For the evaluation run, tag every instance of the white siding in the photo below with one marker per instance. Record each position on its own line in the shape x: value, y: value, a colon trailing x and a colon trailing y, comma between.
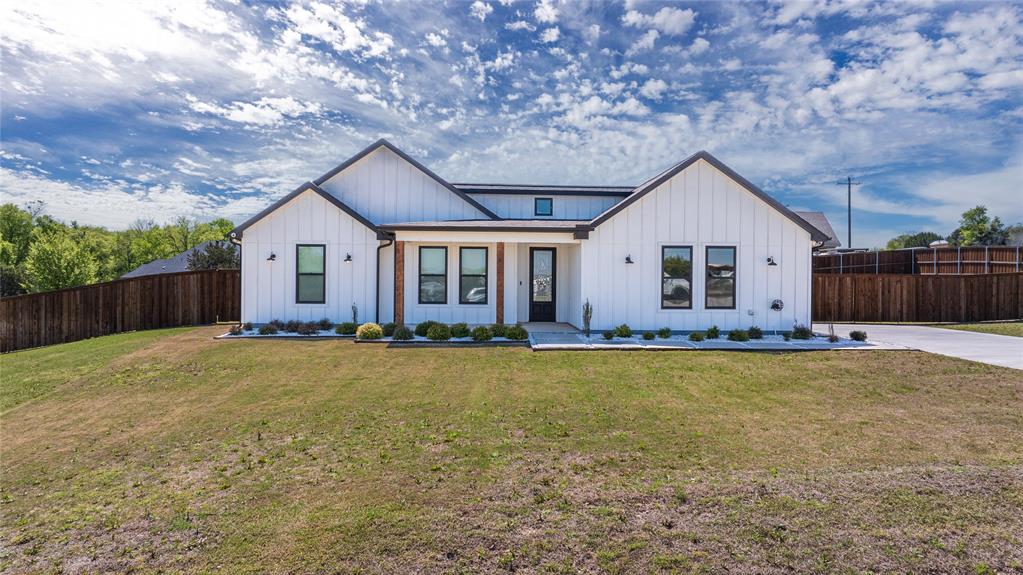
x: 520, y: 206
x: 386, y: 189
x: 452, y: 311
x: 268, y: 288
x: 698, y: 207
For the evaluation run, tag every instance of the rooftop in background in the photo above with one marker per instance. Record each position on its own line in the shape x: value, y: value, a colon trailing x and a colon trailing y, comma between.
x: 820, y: 221
x: 174, y: 264
x: 541, y: 189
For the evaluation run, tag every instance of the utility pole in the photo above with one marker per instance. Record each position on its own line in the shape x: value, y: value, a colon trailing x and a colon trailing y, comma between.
x: 849, y: 183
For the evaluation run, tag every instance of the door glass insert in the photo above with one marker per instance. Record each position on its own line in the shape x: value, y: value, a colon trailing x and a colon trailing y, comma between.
x: 543, y: 271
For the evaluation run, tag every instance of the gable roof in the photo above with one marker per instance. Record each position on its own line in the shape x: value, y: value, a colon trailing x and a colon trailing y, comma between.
x: 820, y: 221
x: 385, y: 144
x: 173, y: 264
x: 651, y: 184
x: 552, y: 226
x: 533, y: 189
x: 306, y: 187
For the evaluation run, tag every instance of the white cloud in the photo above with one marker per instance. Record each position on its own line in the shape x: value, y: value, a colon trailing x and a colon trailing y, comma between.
x: 653, y: 88
x: 481, y: 10
x: 699, y: 46
x: 436, y: 40
x: 264, y: 112
x: 645, y: 43
x: 520, y: 25
x: 629, y: 68
x: 592, y: 34
x: 668, y: 20
x: 550, y: 35
x: 545, y: 12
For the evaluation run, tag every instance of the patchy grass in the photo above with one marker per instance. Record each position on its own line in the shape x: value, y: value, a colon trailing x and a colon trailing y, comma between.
x: 184, y: 454
x: 1013, y: 328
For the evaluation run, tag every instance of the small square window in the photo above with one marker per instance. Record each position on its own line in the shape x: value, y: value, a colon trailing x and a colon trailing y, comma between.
x: 543, y: 207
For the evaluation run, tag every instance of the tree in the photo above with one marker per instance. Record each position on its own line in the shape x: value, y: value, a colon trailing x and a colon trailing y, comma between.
x: 56, y: 261
x: 216, y: 256
x: 15, y: 234
x: 917, y: 240
x: 976, y: 228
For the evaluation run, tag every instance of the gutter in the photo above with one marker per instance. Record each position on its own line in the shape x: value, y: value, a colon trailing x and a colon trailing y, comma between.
x: 390, y: 242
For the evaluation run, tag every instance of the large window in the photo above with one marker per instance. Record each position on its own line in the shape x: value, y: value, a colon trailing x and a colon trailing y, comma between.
x: 720, y: 278
x: 433, y: 275
x: 310, y: 276
x: 543, y: 207
x: 472, y: 275
x: 676, y: 277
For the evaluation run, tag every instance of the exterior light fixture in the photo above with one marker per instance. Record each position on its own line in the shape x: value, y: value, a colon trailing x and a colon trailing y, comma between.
x: 777, y: 305
x: 628, y: 259
x: 272, y: 258
x: 348, y: 258
x: 771, y: 262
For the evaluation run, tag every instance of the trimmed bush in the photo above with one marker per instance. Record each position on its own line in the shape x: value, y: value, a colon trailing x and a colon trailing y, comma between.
x: 308, y: 328
x: 481, y: 333
x: 278, y: 324
x: 235, y: 330
x: 858, y: 335
x: 664, y: 333
x: 402, y: 333
x: 268, y: 329
x: 369, y: 330
x: 786, y: 335
x: 346, y: 328
x: 801, y: 332
x: 424, y: 328
x: 439, y: 332
x: 388, y: 329
x: 738, y: 335
x: 517, y: 333
x: 755, y: 332
x: 609, y: 334
x: 325, y: 324
x: 623, y: 330
x: 499, y: 330
x: 649, y: 335
x: 459, y: 330
x: 292, y: 326
x: 696, y: 336
x: 247, y: 326
x: 713, y: 332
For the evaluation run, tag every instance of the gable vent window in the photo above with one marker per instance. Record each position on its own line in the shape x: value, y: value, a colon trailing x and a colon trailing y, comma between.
x: 720, y: 278
x: 310, y: 276
x: 543, y: 207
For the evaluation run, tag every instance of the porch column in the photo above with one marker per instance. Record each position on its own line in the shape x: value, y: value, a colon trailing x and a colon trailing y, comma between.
x: 500, y: 282
x: 399, y: 282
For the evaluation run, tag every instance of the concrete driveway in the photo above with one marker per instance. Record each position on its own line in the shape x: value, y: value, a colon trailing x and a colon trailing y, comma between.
x: 1002, y: 350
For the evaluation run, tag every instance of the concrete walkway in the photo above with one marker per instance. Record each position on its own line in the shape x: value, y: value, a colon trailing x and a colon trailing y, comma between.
x: 1002, y: 350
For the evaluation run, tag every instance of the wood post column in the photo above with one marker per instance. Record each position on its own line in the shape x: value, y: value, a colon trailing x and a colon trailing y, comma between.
x: 399, y: 283
x: 500, y: 283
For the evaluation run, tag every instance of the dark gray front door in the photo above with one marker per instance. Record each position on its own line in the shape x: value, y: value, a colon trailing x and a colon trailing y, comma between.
x: 542, y: 288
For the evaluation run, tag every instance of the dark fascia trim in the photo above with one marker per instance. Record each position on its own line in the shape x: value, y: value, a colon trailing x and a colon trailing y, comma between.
x: 443, y: 228
x: 308, y: 186
x: 815, y: 234
x: 384, y: 143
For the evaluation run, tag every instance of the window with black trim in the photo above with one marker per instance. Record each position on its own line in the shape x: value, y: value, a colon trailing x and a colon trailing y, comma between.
x: 310, y: 273
x: 720, y: 278
x: 543, y: 206
x: 433, y: 275
x: 472, y: 275
x: 676, y: 277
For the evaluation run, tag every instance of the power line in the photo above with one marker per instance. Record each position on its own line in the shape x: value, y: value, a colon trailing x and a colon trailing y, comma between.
x: 849, y: 183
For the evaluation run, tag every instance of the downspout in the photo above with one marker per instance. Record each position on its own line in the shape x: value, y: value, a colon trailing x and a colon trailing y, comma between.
x: 390, y: 241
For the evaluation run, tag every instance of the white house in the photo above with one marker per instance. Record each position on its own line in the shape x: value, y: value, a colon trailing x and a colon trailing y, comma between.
x: 696, y: 245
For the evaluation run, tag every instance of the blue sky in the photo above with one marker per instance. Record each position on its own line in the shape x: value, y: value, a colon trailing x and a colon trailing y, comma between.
x: 114, y: 111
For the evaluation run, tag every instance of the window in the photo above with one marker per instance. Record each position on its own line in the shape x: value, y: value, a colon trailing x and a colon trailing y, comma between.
x: 472, y: 275
x: 433, y: 275
x: 310, y: 279
x: 676, y: 277
x: 720, y: 278
x: 543, y: 207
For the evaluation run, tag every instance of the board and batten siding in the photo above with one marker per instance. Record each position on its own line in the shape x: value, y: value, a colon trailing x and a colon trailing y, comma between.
x: 452, y: 311
x: 520, y: 206
x: 698, y: 207
x: 268, y: 287
x: 386, y: 189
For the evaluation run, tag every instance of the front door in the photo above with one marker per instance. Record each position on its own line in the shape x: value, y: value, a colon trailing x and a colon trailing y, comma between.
x: 542, y: 284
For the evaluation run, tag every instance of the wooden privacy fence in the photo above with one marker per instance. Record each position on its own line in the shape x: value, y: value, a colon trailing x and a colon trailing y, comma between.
x: 925, y: 261
x: 147, y: 302
x: 917, y: 298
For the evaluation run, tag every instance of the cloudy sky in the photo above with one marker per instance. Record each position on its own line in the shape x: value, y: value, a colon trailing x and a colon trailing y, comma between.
x: 114, y: 112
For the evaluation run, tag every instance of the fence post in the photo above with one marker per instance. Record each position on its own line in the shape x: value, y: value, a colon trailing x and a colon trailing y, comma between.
x: 877, y: 265
x: 840, y: 267
x: 959, y: 260
x: 987, y: 259
x: 913, y: 263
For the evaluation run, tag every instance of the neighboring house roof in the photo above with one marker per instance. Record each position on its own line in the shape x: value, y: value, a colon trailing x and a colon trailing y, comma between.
x: 311, y: 187
x: 174, y: 264
x: 527, y: 189
x: 820, y: 221
x: 666, y: 175
x: 558, y: 226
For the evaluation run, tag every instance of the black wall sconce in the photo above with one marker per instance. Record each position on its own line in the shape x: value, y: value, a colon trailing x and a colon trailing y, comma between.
x: 348, y: 258
x: 628, y: 259
x: 272, y: 258
x: 771, y: 262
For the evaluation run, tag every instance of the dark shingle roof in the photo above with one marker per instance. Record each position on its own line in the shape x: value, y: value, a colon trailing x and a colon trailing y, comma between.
x: 178, y: 263
x: 532, y: 189
x: 563, y: 226
x: 820, y: 221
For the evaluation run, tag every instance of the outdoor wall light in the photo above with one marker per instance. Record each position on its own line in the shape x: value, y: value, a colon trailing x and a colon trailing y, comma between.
x: 272, y: 258
x: 628, y: 259
x: 771, y: 262
x: 348, y: 258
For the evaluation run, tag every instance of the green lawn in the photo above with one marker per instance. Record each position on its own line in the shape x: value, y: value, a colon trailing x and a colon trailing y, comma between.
x: 1013, y: 328
x: 171, y: 452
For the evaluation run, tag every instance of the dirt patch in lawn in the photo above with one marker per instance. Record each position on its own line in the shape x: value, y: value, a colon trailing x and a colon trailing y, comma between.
x: 172, y: 349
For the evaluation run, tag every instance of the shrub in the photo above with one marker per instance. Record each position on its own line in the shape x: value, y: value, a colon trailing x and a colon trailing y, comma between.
x: 649, y: 335
x: 388, y: 329
x: 609, y: 334
x: 346, y: 328
x: 664, y: 332
x: 439, y: 332
x: 858, y: 335
x: 369, y: 330
x: 517, y: 333
x: 696, y: 336
x: 235, y: 330
x: 325, y: 324
x: 787, y: 335
x: 481, y: 333
x: 247, y: 326
x: 278, y: 324
x: 623, y: 330
x: 499, y: 330
x: 402, y: 333
x: 355, y: 314
x: 587, y: 316
x: 755, y: 333
x: 308, y: 328
x: 713, y: 332
x: 833, y: 338
x: 424, y: 328
x: 738, y: 335
x: 459, y: 330
x: 268, y: 329
x: 801, y: 332
x: 292, y: 326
